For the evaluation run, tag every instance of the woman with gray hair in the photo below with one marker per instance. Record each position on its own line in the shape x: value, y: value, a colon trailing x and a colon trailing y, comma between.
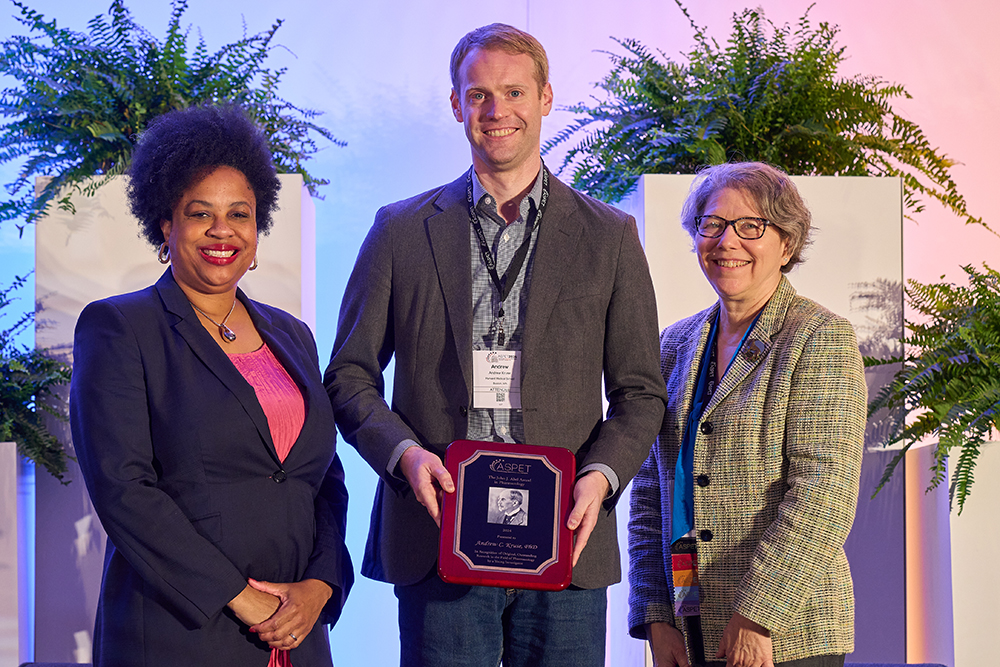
x: 740, y: 513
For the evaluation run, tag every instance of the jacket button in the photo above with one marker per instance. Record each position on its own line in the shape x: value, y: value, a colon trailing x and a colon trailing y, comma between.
x: 464, y: 410
x: 279, y: 476
x: 706, y: 536
x: 702, y: 480
x: 707, y: 428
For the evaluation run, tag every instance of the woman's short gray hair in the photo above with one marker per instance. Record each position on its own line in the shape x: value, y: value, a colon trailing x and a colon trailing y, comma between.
x: 772, y: 191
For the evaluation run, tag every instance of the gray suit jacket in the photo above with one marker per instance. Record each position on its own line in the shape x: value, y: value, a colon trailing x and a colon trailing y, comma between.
x: 591, y: 314
x: 777, y: 463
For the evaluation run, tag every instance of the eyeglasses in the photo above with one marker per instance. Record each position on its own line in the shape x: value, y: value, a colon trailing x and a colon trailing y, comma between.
x: 712, y: 226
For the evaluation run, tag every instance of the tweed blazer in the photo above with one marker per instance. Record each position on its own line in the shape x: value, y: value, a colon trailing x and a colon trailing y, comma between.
x: 178, y: 458
x: 777, y: 462
x: 591, y: 314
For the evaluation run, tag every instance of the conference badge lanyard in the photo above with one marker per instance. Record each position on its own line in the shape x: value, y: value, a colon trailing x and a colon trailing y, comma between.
x: 497, y: 373
x: 684, y: 551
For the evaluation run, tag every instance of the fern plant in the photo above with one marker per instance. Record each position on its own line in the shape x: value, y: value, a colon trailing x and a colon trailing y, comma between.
x: 949, y: 377
x: 28, y: 383
x: 81, y: 99
x: 771, y: 94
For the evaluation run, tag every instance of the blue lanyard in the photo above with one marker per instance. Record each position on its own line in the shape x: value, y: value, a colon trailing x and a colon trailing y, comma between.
x: 682, y: 507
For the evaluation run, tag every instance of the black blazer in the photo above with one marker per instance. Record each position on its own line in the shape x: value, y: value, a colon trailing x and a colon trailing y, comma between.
x: 179, y: 461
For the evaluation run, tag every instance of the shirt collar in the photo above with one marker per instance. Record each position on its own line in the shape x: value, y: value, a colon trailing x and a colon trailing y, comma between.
x: 531, y: 199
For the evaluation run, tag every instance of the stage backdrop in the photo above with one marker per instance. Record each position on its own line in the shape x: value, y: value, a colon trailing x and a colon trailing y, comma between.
x: 88, y: 256
x: 378, y: 71
x: 854, y: 268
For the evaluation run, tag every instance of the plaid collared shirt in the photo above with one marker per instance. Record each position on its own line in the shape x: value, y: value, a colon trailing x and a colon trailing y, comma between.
x: 496, y: 423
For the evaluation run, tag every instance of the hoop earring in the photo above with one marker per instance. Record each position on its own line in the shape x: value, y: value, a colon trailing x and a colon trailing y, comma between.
x: 253, y: 267
x: 164, y: 253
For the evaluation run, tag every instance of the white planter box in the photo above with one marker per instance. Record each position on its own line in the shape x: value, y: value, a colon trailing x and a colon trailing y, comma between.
x: 975, y: 552
x: 13, y: 612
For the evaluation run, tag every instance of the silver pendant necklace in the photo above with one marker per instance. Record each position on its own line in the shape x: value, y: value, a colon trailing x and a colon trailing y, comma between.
x: 227, y: 334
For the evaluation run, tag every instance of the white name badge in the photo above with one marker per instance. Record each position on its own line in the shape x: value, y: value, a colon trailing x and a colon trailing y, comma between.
x: 497, y: 379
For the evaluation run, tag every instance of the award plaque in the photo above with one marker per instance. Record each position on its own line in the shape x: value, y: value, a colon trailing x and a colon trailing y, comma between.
x: 505, y: 525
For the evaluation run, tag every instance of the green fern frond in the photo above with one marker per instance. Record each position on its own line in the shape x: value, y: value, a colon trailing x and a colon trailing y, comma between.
x: 80, y: 100
x: 949, y: 377
x: 28, y: 391
x: 771, y: 93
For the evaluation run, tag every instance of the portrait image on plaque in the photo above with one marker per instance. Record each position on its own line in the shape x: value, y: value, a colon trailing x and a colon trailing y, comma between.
x: 489, y: 534
x: 508, y: 507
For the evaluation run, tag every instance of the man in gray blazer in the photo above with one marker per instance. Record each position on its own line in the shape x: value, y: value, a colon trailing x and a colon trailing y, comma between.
x: 504, y: 260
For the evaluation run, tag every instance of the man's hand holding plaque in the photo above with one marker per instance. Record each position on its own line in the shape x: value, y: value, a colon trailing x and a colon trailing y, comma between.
x: 588, y: 494
x: 428, y: 478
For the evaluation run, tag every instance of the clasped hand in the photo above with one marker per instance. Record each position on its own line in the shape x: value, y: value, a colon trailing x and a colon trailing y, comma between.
x: 281, y: 614
x: 744, y: 644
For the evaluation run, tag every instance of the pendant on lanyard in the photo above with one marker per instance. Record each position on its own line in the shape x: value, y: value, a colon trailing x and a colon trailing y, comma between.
x: 505, y: 285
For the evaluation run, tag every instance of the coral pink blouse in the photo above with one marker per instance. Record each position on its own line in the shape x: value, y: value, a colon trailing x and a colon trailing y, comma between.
x: 277, y: 393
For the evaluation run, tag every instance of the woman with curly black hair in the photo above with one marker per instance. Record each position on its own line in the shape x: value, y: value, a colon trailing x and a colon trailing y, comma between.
x: 202, y: 427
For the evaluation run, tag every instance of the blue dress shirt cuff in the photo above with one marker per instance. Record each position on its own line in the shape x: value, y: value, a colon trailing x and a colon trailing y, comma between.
x: 397, y: 454
x: 604, y: 470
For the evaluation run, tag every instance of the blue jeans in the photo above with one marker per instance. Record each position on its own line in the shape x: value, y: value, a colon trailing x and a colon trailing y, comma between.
x: 445, y: 625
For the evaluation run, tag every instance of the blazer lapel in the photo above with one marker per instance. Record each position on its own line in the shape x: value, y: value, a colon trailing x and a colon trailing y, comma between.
x: 757, y: 345
x: 555, y: 250
x: 448, y: 231
x: 689, y: 359
x: 284, y: 349
x: 190, y: 329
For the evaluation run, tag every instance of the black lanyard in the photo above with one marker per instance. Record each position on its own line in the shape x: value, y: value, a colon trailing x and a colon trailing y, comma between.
x: 506, y: 284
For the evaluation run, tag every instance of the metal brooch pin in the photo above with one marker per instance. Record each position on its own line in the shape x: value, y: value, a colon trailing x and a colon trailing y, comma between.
x: 754, y: 350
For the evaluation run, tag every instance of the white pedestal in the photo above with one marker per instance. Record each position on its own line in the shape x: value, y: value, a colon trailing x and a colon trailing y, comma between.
x: 11, y: 607
x: 975, y: 552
